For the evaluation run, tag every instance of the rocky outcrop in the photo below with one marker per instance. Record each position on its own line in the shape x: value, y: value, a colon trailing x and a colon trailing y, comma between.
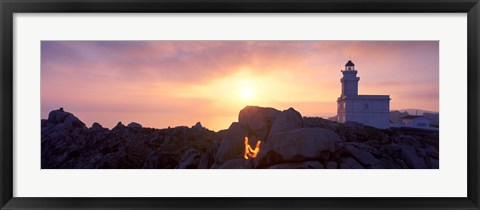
x: 68, y: 143
x: 288, y: 141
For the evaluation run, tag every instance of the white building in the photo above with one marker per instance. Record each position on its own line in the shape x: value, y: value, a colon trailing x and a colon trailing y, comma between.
x: 416, y: 121
x: 372, y: 110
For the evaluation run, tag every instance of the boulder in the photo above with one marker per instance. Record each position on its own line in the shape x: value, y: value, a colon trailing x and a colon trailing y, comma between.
x: 257, y: 120
x: 99, y: 129
x: 363, y: 156
x: 134, y: 125
x: 411, y: 158
x: 197, y: 125
x: 58, y: 116
x: 190, y: 159
x: 119, y: 126
x: 295, y: 146
x: 299, y: 165
x: 286, y: 120
x: 97, y: 126
x: 71, y: 122
x: 232, y: 144
x: 159, y: 160
x: 208, y: 158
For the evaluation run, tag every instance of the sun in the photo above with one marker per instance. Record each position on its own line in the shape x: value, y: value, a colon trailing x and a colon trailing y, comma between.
x: 246, y: 93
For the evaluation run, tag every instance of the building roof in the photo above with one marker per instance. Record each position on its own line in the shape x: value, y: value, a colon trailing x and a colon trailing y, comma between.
x: 413, y: 117
x: 349, y: 63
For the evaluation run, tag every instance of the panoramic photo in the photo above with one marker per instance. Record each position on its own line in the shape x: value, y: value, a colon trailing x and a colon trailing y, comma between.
x: 239, y: 104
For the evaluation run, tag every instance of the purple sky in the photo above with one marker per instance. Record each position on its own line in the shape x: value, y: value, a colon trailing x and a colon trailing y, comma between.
x: 171, y: 83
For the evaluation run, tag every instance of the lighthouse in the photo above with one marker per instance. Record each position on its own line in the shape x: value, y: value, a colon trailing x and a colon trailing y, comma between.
x: 371, y: 110
x: 349, y: 80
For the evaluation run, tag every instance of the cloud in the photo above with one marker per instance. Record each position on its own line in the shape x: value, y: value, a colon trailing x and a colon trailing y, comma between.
x: 133, y: 78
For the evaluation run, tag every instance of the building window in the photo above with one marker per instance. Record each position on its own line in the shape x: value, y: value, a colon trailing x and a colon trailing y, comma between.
x: 366, y: 106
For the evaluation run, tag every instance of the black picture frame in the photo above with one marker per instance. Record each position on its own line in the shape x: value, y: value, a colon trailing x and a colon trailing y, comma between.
x: 10, y: 7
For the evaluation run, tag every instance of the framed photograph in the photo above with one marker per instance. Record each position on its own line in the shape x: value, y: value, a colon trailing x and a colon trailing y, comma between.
x: 239, y: 105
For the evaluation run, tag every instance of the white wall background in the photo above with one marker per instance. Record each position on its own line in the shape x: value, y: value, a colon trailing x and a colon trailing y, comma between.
x: 448, y: 181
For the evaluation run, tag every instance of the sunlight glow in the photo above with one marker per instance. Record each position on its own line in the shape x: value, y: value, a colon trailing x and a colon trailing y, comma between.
x: 246, y: 93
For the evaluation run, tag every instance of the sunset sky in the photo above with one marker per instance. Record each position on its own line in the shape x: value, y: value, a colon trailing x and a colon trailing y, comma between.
x: 171, y: 83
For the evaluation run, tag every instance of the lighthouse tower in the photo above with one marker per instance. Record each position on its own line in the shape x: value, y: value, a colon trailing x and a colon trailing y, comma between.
x: 372, y: 110
x: 349, y: 80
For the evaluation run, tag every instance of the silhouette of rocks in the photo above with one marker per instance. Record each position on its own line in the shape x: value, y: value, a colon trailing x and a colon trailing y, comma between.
x: 289, y: 141
x: 71, y: 122
x: 96, y: 126
x: 134, y: 125
x: 67, y: 143
x: 197, y: 126
x: 58, y: 116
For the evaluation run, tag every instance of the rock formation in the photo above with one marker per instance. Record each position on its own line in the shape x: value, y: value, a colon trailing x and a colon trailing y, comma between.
x: 288, y: 141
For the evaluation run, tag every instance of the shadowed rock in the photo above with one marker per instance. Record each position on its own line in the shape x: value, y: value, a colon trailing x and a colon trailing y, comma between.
x: 57, y: 116
x: 349, y: 163
x: 159, y: 160
x: 411, y: 157
x: 119, y: 126
x: 286, y: 121
x: 257, y: 120
x: 238, y: 163
x: 134, y: 125
x: 68, y: 120
x: 232, y: 145
x: 71, y: 122
x: 299, y: 165
x: 297, y: 145
x: 288, y: 141
x: 197, y: 125
x: 190, y: 159
x: 364, y: 157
